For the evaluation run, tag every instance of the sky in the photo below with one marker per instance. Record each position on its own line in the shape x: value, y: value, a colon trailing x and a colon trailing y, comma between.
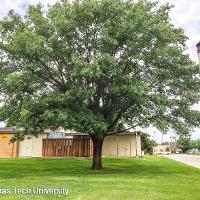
x: 185, y: 14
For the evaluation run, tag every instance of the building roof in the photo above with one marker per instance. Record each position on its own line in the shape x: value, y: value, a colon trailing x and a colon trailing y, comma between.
x: 74, y: 133
x: 7, y: 130
x: 129, y: 133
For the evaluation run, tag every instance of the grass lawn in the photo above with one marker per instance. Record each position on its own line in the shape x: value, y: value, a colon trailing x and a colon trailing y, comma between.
x: 151, y: 178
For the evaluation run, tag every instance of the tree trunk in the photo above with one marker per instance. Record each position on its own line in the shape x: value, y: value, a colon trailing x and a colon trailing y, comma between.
x: 97, y: 153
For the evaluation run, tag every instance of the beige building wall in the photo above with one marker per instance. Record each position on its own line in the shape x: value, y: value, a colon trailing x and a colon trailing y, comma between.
x: 31, y: 146
x: 139, y: 149
x: 122, y: 145
x: 160, y: 148
x: 115, y: 145
x: 110, y: 146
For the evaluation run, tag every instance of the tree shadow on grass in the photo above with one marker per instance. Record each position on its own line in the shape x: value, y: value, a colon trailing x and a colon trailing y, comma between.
x: 80, y: 167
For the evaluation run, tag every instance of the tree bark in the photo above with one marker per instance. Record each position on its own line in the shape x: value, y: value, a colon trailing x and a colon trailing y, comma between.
x: 97, y: 153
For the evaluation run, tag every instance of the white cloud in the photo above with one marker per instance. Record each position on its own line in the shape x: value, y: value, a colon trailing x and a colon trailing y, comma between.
x: 2, y: 124
x: 185, y: 14
x: 20, y: 5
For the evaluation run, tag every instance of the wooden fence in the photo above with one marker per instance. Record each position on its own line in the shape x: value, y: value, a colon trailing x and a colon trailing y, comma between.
x: 80, y: 147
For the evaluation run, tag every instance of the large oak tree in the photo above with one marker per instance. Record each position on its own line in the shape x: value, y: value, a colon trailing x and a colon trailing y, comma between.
x: 96, y: 66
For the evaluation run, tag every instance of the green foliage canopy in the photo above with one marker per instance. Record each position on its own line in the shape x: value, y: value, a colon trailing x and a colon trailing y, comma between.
x: 95, y: 66
x: 147, y: 143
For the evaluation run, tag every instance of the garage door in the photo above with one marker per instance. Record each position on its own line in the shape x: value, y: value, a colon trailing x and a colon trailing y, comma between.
x: 25, y: 148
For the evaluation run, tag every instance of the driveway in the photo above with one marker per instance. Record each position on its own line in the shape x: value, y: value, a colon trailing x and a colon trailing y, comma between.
x: 186, y: 159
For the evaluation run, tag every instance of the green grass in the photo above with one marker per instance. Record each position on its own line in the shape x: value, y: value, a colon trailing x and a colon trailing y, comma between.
x: 151, y: 178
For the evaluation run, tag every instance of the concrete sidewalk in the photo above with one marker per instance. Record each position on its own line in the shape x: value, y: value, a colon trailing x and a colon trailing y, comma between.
x: 191, y: 160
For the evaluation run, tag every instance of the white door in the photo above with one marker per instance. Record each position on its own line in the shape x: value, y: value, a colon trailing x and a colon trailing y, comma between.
x: 25, y: 148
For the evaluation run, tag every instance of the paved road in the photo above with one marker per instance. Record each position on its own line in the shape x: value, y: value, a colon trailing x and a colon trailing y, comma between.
x: 187, y: 159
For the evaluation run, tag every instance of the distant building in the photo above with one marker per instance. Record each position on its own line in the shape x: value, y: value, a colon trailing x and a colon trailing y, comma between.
x: 161, y: 149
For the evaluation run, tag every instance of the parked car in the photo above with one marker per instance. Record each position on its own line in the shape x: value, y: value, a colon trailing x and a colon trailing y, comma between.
x: 193, y: 151
x: 177, y: 151
x: 165, y: 153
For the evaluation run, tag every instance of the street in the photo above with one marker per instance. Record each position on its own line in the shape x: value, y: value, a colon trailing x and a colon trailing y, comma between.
x: 192, y: 160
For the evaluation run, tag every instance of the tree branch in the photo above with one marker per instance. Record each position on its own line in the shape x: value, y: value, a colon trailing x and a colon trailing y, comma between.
x: 138, y: 124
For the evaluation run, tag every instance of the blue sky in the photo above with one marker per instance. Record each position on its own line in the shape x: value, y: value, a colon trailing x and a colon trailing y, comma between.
x: 185, y: 14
